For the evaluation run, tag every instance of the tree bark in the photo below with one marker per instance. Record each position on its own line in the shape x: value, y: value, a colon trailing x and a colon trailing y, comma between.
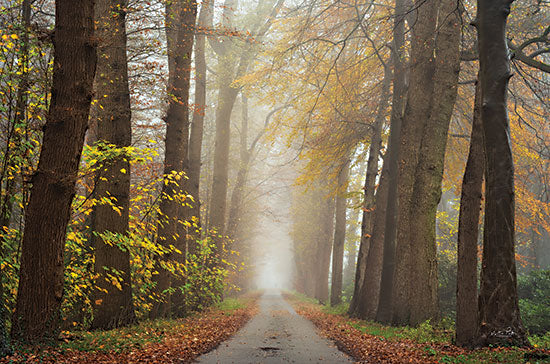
x: 429, y: 172
x: 112, y: 306
x: 417, y: 111
x: 366, y: 222
x: 339, y: 236
x: 244, y: 164
x: 197, y: 124
x: 370, y: 290
x: 468, y: 230
x: 324, y: 244
x: 390, y: 167
x: 36, y: 317
x: 499, y: 315
x: 180, y: 24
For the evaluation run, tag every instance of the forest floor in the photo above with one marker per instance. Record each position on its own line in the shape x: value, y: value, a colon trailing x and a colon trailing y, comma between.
x: 151, y: 341
x: 369, y: 342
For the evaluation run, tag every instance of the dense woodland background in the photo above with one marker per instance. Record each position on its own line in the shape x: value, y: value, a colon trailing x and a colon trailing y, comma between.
x: 156, y: 156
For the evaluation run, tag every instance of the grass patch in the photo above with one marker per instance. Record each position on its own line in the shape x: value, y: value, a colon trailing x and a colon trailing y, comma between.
x: 425, y: 333
x: 231, y: 304
x: 340, y: 309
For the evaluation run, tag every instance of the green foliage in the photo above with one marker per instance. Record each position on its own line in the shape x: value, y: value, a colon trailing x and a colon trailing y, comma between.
x: 202, y: 278
x: 446, y: 269
x: 339, y: 309
x: 424, y: 333
x: 230, y: 304
x: 540, y: 341
x: 534, y: 294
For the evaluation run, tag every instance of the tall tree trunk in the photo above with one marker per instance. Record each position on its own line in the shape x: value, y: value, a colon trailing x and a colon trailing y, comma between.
x: 416, y: 114
x: 429, y: 172
x: 7, y: 190
x: 468, y: 230
x: 390, y: 167
x: 324, y: 244
x: 366, y: 222
x: 112, y: 305
x: 180, y: 25
x: 339, y: 236
x: 226, y: 99
x: 36, y: 317
x: 370, y: 290
x: 499, y: 315
x: 351, y: 261
x: 237, y: 195
x: 197, y: 124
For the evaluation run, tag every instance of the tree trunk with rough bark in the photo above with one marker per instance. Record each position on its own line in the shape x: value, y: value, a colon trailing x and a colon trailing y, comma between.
x: 197, y: 123
x: 417, y: 111
x: 424, y: 300
x: 339, y: 236
x: 370, y: 290
x: 112, y: 305
x: 37, y: 312
x: 180, y: 25
x: 499, y: 316
x: 366, y: 222
x: 468, y: 231
x: 390, y: 167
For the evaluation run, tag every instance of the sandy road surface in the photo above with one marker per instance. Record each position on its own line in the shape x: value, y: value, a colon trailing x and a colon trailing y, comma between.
x: 276, y: 335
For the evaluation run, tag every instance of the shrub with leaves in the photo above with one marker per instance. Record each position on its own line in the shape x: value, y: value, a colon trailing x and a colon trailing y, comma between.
x: 534, y: 294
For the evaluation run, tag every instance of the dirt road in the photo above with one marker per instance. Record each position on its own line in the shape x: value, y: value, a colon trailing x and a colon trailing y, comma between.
x: 276, y: 335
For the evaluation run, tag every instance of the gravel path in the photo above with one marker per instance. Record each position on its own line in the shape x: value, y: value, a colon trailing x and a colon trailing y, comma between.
x: 276, y: 335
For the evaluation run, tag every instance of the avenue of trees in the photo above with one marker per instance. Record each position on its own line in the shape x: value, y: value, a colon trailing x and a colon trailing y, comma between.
x: 138, y: 138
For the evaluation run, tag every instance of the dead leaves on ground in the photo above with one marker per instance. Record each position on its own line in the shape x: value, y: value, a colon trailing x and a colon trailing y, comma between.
x: 196, y: 335
x: 368, y: 348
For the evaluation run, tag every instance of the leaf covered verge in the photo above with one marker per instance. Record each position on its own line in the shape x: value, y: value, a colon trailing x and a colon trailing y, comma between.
x: 375, y: 343
x: 152, y: 341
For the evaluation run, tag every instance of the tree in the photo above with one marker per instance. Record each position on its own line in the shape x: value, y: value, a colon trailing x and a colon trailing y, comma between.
x: 339, y: 235
x: 112, y: 302
x: 499, y: 316
x: 390, y: 167
x: 416, y: 113
x: 197, y: 124
x: 468, y: 229
x: 367, y: 300
x: 180, y: 24
x: 324, y: 243
x: 431, y: 158
x: 36, y: 317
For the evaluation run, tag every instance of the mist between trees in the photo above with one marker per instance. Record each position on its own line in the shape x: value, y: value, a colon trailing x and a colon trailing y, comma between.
x: 157, y: 156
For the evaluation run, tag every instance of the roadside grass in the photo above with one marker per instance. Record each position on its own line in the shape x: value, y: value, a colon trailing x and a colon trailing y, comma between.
x: 437, y: 340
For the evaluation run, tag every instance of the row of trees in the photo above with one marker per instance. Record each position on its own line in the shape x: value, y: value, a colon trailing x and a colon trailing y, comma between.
x: 404, y: 89
x: 103, y: 174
